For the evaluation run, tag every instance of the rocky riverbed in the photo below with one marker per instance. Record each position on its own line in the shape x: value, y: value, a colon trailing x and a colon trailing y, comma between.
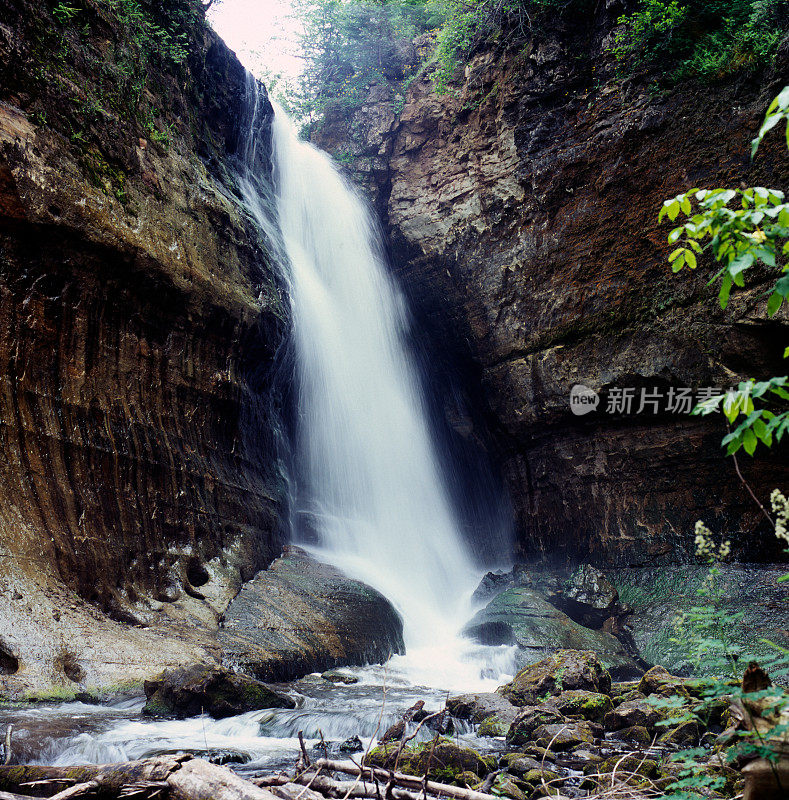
x: 560, y: 727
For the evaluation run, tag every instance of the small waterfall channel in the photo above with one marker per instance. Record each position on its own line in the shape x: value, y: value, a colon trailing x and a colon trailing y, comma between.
x: 371, y: 494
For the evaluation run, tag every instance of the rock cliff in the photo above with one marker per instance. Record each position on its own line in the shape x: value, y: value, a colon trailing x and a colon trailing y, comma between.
x: 139, y: 480
x: 521, y: 209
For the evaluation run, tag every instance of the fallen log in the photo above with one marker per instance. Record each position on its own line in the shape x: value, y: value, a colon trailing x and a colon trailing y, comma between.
x: 410, y: 781
x: 9, y: 796
x: 184, y: 777
x: 329, y: 787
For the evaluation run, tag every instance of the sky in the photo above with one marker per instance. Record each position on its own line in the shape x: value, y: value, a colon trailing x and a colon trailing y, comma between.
x: 261, y: 32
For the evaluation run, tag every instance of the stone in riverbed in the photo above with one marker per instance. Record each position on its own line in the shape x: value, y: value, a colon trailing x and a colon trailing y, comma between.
x: 199, y: 688
x: 301, y: 616
x: 582, y: 703
x: 338, y: 676
x: 633, y: 712
x: 494, y: 725
x: 563, y: 736
x: 445, y: 759
x: 637, y: 734
x: 524, y: 618
x: 528, y: 720
x: 479, y: 706
x: 564, y: 670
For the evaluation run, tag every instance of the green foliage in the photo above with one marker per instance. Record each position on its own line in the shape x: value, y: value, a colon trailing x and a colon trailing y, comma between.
x: 351, y: 45
x: 468, y: 23
x: 702, y: 38
x: 745, y: 228
x: 754, y: 231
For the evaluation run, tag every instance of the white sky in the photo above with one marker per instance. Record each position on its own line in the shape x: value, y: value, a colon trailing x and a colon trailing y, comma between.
x: 261, y: 32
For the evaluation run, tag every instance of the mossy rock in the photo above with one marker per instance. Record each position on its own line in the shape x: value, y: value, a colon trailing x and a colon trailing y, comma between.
x: 192, y: 690
x: 505, y: 786
x: 518, y: 763
x: 686, y: 734
x: 632, y: 764
x: 443, y: 761
x: 493, y: 726
x: 563, y: 671
x: 468, y: 779
x: 529, y: 719
x: 633, y: 712
x: 637, y: 734
x: 563, y: 736
x: 581, y: 703
x: 537, y: 776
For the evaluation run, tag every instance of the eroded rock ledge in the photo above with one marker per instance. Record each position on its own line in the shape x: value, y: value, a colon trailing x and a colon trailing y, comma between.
x: 139, y: 482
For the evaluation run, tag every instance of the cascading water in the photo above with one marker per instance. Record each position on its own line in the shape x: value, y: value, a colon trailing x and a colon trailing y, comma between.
x: 371, y: 489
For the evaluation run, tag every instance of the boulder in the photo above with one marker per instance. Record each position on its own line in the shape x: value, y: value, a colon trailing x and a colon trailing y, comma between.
x: 443, y: 761
x: 302, y: 616
x: 199, y: 688
x: 660, y: 681
x: 684, y: 735
x: 633, y: 712
x: 522, y: 617
x: 479, y: 706
x: 352, y: 745
x: 492, y: 583
x: 338, y: 676
x: 528, y: 720
x: 505, y: 786
x: 588, y: 597
x: 494, y: 725
x: 567, y: 669
x: 518, y: 763
x: 563, y: 736
x: 659, y: 594
x: 637, y: 734
x: 582, y: 703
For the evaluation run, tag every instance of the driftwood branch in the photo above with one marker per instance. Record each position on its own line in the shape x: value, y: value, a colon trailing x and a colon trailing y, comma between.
x: 409, y: 781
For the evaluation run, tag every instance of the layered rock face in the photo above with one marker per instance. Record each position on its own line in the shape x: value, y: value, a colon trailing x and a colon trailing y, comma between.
x: 139, y: 480
x: 522, y: 214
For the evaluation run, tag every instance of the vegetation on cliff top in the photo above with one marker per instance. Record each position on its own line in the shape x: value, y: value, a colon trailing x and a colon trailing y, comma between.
x: 351, y: 45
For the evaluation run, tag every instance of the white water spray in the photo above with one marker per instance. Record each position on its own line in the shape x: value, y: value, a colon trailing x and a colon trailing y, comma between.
x: 372, y: 491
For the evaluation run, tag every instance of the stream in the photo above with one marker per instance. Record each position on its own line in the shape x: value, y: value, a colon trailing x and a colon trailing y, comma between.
x: 265, y: 740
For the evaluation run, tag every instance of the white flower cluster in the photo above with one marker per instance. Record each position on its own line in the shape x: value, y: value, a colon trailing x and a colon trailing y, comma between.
x: 705, y: 547
x: 780, y: 506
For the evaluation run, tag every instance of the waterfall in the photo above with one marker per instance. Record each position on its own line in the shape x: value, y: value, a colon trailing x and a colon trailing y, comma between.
x: 371, y: 497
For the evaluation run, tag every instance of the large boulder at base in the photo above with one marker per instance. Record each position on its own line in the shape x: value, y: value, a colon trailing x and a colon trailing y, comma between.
x: 523, y: 618
x: 443, y: 761
x: 302, y: 616
x: 479, y: 706
x: 562, y: 671
x: 199, y: 688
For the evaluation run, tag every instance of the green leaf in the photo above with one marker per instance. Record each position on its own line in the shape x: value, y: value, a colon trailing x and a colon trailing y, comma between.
x: 774, y: 303
x: 723, y: 295
x: 749, y: 442
x: 690, y: 258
